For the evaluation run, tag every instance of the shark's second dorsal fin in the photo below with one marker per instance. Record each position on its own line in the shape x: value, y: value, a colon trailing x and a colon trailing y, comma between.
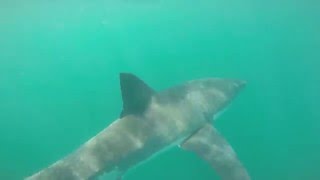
x: 136, y: 94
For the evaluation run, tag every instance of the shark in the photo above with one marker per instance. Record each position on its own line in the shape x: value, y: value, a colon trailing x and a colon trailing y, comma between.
x: 152, y: 121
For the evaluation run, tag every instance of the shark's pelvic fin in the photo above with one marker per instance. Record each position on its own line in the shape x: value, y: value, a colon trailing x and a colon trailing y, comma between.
x: 212, y: 147
x: 136, y: 94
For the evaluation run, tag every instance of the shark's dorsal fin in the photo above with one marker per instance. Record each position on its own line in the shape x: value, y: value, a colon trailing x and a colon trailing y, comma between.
x: 136, y: 94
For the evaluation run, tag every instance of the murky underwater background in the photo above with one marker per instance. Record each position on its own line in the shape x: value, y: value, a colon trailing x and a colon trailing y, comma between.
x: 59, y: 65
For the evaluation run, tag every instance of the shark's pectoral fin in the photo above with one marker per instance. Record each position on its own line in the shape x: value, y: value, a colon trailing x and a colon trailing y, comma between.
x: 212, y: 147
x: 136, y: 94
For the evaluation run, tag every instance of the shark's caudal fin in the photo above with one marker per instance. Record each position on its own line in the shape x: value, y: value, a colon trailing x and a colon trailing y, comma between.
x: 136, y: 94
x: 212, y: 147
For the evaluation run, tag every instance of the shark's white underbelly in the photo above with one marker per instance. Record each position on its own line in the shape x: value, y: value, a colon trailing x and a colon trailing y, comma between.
x: 160, y: 129
x: 152, y: 153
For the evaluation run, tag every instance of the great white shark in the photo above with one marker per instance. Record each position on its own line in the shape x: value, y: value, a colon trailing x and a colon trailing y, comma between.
x: 152, y: 121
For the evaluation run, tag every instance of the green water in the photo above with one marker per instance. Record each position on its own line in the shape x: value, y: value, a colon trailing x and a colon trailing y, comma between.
x: 59, y: 65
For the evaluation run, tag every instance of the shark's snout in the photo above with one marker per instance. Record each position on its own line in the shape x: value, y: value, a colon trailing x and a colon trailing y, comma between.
x: 239, y: 83
x: 234, y: 86
x: 228, y: 87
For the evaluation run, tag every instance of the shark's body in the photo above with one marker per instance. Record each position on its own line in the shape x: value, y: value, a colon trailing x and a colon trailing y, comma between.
x: 151, y: 122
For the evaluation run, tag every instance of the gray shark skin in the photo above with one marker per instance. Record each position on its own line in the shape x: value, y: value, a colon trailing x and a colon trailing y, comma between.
x: 151, y: 122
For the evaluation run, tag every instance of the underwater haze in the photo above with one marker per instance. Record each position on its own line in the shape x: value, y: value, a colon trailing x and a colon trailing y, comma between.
x: 59, y: 78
